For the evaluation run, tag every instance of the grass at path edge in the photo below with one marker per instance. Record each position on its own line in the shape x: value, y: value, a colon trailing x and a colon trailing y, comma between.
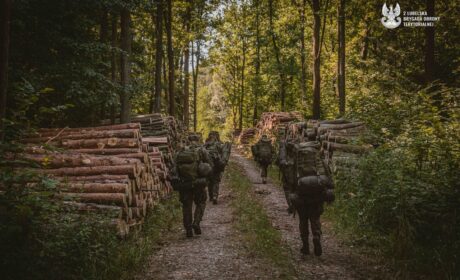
x: 253, y: 223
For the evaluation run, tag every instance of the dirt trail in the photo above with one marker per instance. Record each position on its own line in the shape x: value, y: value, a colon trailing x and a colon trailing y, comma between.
x: 216, y: 254
x: 338, y: 261
x: 219, y: 252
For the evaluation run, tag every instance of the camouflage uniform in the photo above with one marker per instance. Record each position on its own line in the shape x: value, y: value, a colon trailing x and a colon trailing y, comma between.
x: 263, y: 164
x: 212, y: 145
x: 308, y: 208
x: 190, y: 193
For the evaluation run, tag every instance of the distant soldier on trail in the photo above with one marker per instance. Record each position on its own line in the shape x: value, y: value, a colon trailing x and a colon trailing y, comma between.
x: 192, y: 167
x: 219, y: 157
x: 308, y: 185
x: 263, y: 152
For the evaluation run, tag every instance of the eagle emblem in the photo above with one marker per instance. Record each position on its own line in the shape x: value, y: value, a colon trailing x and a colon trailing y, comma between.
x: 391, y: 17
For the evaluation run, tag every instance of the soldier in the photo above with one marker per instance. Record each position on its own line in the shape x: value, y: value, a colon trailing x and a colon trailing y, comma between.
x: 286, y: 165
x: 192, y: 167
x: 215, y: 150
x: 263, y: 152
x: 309, y: 185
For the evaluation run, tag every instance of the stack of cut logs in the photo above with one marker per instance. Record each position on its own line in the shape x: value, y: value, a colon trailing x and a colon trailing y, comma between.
x: 341, y: 143
x: 273, y: 124
x: 160, y: 134
x: 246, y: 136
x: 108, y: 169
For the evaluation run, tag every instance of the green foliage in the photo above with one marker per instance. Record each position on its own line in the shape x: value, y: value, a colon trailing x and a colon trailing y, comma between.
x: 41, y: 239
x: 405, y: 197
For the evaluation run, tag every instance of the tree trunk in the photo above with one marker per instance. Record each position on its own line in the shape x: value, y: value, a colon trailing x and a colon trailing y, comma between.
x: 303, y: 77
x: 195, y: 83
x: 125, y: 65
x: 186, y: 95
x: 158, y: 55
x: 257, y: 85
x: 103, y: 35
x: 316, y: 60
x: 341, y: 56
x: 278, y: 59
x: 240, y: 126
x: 113, y: 64
x: 365, y: 48
x: 5, y: 15
x: 171, y: 78
x: 429, y: 44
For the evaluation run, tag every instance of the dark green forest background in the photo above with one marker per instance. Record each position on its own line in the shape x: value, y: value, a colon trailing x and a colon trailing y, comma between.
x: 217, y: 65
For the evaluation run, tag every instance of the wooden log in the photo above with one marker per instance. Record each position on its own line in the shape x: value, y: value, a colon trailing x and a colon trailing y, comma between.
x: 94, y: 178
x: 107, y: 127
x: 99, y: 198
x: 109, y: 210
x: 72, y: 135
x: 57, y: 160
x: 101, y: 143
x: 95, y: 188
x: 129, y: 170
x: 331, y: 146
x: 116, y: 151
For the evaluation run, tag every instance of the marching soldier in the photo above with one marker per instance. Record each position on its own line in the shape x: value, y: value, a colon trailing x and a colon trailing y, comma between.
x: 308, y: 185
x: 263, y: 152
x: 215, y: 149
x: 192, y: 167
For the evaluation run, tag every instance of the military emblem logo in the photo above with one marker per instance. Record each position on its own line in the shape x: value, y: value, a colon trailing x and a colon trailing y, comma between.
x: 391, y: 18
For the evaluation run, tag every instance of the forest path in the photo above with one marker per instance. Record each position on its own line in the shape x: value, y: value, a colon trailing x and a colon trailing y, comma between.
x: 217, y: 254
x: 220, y: 252
x: 338, y: 260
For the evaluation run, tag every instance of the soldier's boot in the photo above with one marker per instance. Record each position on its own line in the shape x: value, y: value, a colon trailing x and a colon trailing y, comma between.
x: 189, y: 232
x: 214, y: 201
x: 197, y: 229
x: 317, y: 247
x: 264, y: 180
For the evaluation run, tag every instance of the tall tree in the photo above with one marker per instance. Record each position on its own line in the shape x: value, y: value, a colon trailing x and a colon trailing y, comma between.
x: 276, y: 49
x: 341, y: 56
x: 171, y: 76
x: 113, y: 61
x: 186, y: 95
x: 5, y: 15
x: 303, y: 68
x: 243, y: 66
x: 125, y: 65
x: 316, y: 5
x: 257, y: 83
x: 429, y: 44
x: 195, y: 69
x: 158, y: 55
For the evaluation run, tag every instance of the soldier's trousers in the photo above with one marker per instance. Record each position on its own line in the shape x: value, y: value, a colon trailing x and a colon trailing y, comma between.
x: 309, y: 214
x: 214, y: 182
x: 195, y: 195
x: 263, y: 170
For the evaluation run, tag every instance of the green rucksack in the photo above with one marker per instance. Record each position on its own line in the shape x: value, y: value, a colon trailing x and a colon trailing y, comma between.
x: 264, y: 152
x: 187, y: 161
x: 215, y: 152
x: 311, y: 174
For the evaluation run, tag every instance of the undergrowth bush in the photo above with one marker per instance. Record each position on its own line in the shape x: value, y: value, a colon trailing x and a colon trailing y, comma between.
x: 405, y: 195
x: 40, y: 239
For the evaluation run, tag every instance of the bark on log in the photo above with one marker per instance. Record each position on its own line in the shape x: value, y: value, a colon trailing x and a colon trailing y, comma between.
x: 129, y: 170
x: 101, y: 143
x: 99, y: 198
x: 72, y: 160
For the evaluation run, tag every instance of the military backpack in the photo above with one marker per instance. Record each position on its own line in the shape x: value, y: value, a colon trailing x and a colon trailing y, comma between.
x: 187, y: 161
x: 263, y: 151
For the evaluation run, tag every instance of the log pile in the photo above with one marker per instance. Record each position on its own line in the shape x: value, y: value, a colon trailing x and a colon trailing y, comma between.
x: 274, y: 124
x: 108, y: 169
x: 246, y: 136
x: 163, y: 133
x: 342, y: 142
